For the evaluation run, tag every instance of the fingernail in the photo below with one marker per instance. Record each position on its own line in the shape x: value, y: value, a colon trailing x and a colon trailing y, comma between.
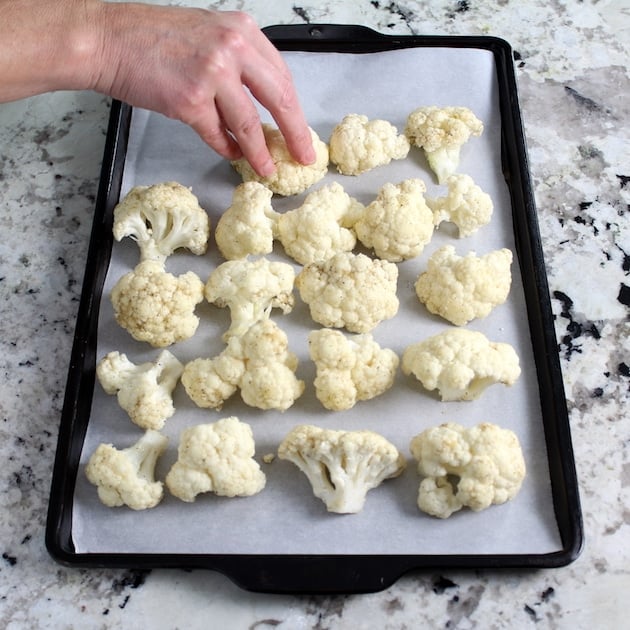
x: 267, y: 169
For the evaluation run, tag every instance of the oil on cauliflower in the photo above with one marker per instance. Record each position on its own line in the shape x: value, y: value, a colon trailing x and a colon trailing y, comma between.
x: 463, y: 288
x: 350, y: 369
x: 358, y: 144
x: 290, y: 177
x: 351, y: 291
x: 461, y: 364
x: 460, y: 467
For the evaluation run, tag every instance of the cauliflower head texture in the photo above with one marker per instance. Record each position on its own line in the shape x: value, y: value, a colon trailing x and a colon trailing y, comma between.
x: 467, y: 467
x: 156, y: 306
x: 290, y: 177
x: 441, y: 132
x: 247, y: 226
x: 350, y: 369
x: 218, y: 458
x: 351, y: 291
x: 320, y: 227
x: 258, y: 363
x: 358, y: 144
x: 144, y: 391
x: 161, y: 219
x: 250, y: 289
x: 398, y: 223
x: 461, y: 364
x: 465, y: 205
x: 341, y: 466
x: 126, y: 476
x: 463, y: 288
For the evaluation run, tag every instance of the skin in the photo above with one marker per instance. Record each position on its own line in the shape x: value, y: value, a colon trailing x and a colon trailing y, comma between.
x: 198, y: 66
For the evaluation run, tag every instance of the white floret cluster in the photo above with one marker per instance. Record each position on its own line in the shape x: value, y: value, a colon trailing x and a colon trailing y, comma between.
x: 342, y: 258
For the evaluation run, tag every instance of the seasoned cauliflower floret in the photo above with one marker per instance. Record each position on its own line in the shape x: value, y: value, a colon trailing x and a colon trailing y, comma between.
x: 358, y: 145
x: 247, y: 226
x: 218, y: 458
x: 144, y: 391
x: 290, y: 177
x: 319, y: 228
x: 342, y: 466
x: 250, y: 289
x: 162, y: 218
x: 441, y: 132
x: 127, y: 476
x: 258, y: 362
x: 474, y: 468
x: 461, y: 363
x: 156, y: 306
x: 463, y: 288
x: 398, y: 223
x: 350, y: 369
x: 350, y: 290
x: 465, y: 205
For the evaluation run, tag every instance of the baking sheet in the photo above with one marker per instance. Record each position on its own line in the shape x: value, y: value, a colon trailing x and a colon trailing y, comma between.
x: 285, y: 518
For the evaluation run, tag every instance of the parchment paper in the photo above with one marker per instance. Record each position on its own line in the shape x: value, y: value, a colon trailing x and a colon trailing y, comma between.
x: 286, y: 518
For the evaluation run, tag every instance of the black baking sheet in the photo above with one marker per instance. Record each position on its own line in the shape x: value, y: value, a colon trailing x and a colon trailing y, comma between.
x: 338, y: 572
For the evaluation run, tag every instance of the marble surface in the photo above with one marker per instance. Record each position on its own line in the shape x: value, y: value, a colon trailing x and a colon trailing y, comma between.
x: 571, y: 60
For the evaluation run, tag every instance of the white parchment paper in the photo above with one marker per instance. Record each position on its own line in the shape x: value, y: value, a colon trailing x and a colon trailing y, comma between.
x: 285, y: 517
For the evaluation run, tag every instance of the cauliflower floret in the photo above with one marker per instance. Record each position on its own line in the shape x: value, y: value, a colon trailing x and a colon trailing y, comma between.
x: 341, y: 466
x: 475, y: 468
x: 248, y: 225
x: 358, y: 145
x: 463, y: 288
x: 126, y: 476
x: 398, y: 223
x: 350, y: 290
x: 156, y: 306
x: 217, y: 457
x: 250, y: 289
x: 144, y: 391
x: 162, y: 218
x: 290, y: 177
x: 349, y: 370
x: 465, y: 205
x: 258, y: 362
x: 461, y: 363
x: 319, y: 228
x: 441, y: 132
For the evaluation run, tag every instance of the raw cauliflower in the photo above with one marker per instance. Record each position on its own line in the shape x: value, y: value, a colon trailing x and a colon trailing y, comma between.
x: 463, y: 288
x: 258, y: 363
x: 320, y: 227
x: 358, y: 145
x: 465, y: 205
x: 152, y: 304
x: 461, y: 364
x: 350, y: 369
x: 350, y: 290
x: 218, y: 458
x: 441, y: 132
x: 127, y: 476
x: 342, y: 466
x: 144, y: 391
x: 247, y: 226
x: 156, y: 306
x: 474, y: 468
x: 290, y: 177
x: 161, y: 219
x: 398, y: 223
x: 250, y: 289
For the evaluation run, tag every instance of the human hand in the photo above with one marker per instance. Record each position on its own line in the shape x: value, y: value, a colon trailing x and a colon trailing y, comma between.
x: 197, y: 66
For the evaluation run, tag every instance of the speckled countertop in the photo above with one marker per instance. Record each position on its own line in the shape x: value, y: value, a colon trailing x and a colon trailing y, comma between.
x: 571, y: 60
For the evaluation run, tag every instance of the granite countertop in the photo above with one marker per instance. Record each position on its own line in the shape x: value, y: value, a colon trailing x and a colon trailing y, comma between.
x: 571, y: 61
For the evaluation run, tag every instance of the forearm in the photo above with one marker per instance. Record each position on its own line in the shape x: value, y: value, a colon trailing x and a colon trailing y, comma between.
x: 48, y: 45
